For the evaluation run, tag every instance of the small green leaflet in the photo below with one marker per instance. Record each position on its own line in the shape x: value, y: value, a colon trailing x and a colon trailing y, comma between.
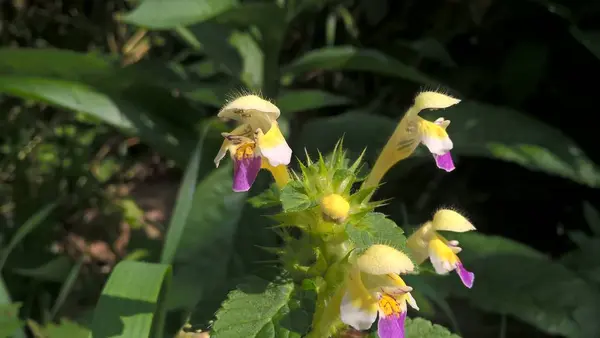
x: 375, y: 228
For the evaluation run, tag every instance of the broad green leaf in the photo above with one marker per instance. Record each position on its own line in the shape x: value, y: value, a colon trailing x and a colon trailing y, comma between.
x: 375, y: 228
x: 517, y: 281
x: 131, y: 99
x: 592, y: 217
x: 589, y: 39
x: 422, y: 328
x: 132, y: 301
x: 294, y: 101
x: 35, y: 220
x: 478, y: 245
x: 9, y: 320
x: 349, y: 58
x: 66, y: 287
x: 215, y: 41
x: 160, y: 14
x: 477, y: 129
x: 263, y: 309
x: 54, y: 270
x: 65, y: 328
x: 183, y: 203
x: 293, y: 198
x: 206, y: 243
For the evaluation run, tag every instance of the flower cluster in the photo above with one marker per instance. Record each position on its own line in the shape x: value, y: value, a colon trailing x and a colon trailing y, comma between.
x: 353, y: 255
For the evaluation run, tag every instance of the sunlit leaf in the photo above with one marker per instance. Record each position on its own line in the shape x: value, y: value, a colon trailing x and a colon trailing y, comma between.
x: 159, y: 14
x: 132, y: 301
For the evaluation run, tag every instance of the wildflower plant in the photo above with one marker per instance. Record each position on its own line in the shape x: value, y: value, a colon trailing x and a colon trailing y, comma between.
x: 340, y: 261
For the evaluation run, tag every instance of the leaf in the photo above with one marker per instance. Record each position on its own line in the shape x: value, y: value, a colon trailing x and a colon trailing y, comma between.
x: 293, y: 198
x: 476, y: 245
x: 159, y: 14
x: 592, y: 217
x: 375, y: 228
x: 421, y: 328
x: 294, y: 101
x: 38, y: 218
x: 125, y: 98
x: 10, y: 324
x: 54, y: 270
x: 589, y: 39
x: 215, y: 41
x: 477, y: 129
x: 183, y: 203
x: 66, y: 287
x: 259, y: 308
x: 349, y: 58
x: 132, y: 301
x: 206, y: 243
x: 531, y: 287
x: 9, y: 320
x: 65, y: 328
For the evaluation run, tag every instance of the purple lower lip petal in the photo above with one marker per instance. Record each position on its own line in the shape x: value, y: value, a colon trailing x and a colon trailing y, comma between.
x: 245, y: 172
x: 467, y: 277
x: 444, y: 161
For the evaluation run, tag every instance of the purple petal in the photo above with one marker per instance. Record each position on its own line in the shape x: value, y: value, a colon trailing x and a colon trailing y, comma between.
x: 466, y: 276
x: 444, y: 161
x: 391, y: 326
x: 245, y: 172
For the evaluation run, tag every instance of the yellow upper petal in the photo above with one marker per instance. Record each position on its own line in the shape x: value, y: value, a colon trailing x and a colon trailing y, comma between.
x: 381, y: 259
x: 417, y: 242
x: 450, y: 220
x: 434, y: 100
x: 252, y: 110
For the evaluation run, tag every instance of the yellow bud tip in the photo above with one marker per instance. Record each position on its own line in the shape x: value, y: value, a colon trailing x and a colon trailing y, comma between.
x: 335, y: 208
x: 434, y: 100
x: 450, y: 220
x: 251, y: 102
x: 381, y: 259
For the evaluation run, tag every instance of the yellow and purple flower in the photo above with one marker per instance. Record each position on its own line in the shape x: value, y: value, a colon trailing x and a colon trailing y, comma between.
x: 257, y: 143
x: 443, y: 254
x: 414, y: 130
x: 374, y: 289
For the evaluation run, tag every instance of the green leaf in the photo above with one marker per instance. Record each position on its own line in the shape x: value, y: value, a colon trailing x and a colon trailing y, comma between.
x: 294, y: 199
x: 54, y: 270
x: 35, y: 220
x: 132, y: 301
x: 65, y: 328
x: 477, y: 245
x: 349, y: 58
x: 421, y: 328
x: 294, y: 101
x: 183, y: 203
x: 9, y: 320
x: 477, y: 129
x: 159, y: 14
x: 589, y: 39
x: 131, y: 99
x: 206, y: 242
x: 10, y: 324
x: 263, y: 309
x: 375, y: 228
x: 67, y: 287
x: 531, y: 287
x: 592, y: 217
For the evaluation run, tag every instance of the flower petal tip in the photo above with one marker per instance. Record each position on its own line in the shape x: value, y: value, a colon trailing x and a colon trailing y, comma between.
x: 444, y: 162
x: 467, y: 277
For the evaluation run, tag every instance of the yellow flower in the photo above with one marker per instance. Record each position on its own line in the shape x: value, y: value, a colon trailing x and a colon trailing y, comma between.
x: 413, y: 130
x: 374, y: 288
x: 257, y: 143
x: 427, y: 242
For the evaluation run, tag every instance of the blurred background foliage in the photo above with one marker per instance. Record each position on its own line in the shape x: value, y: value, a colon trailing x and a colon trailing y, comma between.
x: 107, y: 129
